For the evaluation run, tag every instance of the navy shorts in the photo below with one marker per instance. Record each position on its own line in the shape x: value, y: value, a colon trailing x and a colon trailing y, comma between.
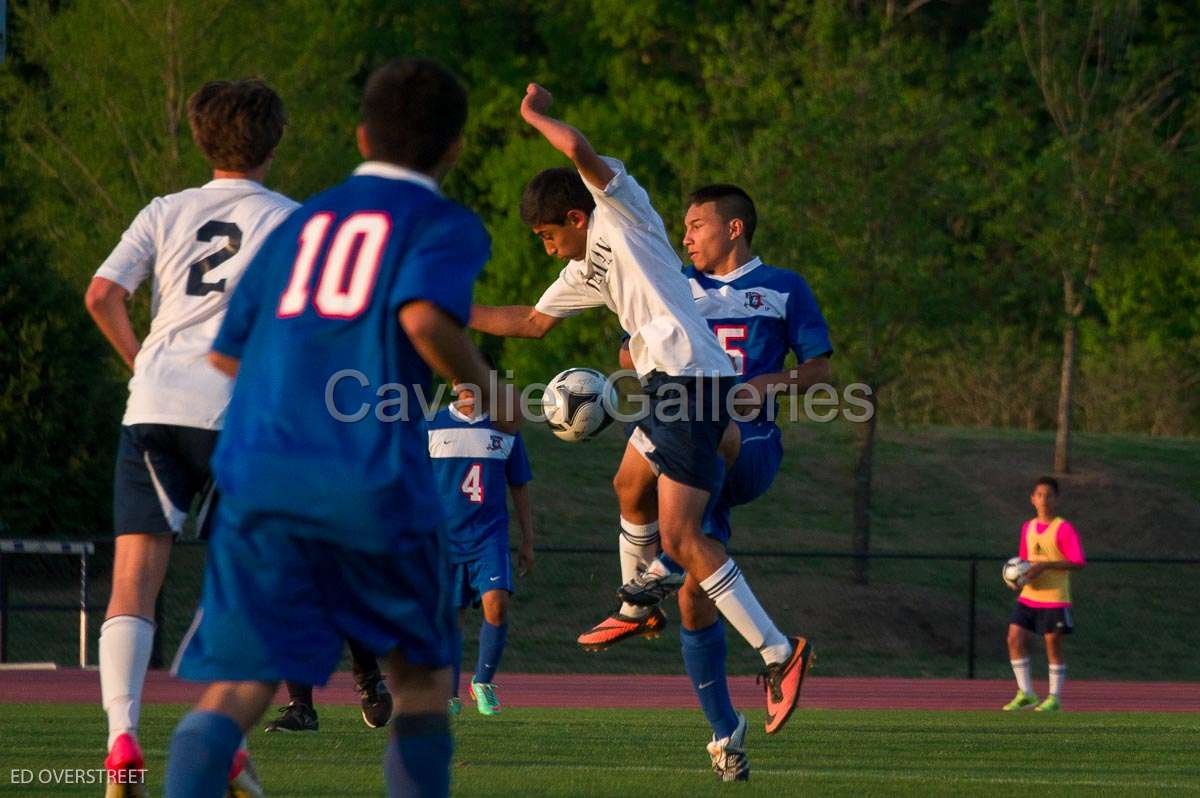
x: 161, y: 469
x: 277, y: 606
x: 750, y: 476
x: 491, y: 570
x: 1042, y: 620
x: 682, y: 431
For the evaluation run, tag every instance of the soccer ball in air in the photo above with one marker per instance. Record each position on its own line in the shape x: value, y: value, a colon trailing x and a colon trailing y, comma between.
x: 1013, y: 573
x: 576, y: 402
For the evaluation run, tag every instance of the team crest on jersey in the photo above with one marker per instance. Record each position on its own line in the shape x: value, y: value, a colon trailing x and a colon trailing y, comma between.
x: 495, y: 444
x: 754, y: 300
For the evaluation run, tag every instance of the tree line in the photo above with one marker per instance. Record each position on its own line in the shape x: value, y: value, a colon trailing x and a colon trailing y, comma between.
x: 995, y: 203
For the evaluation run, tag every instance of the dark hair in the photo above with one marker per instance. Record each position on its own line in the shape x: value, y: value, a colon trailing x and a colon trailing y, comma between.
x: 236, y: 123
x: 1049, y: 482
x: 551, y: 194
x: 732, y: 203
x: 413, y: 109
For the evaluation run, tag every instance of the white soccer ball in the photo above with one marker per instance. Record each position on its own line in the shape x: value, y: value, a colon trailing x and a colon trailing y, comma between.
x: 576, y: 404
x: 1014, y: 572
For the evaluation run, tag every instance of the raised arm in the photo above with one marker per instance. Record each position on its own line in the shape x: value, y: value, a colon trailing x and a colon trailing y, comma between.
x: 564, y: 138
x: 105, y: 301
x: 512, y: 321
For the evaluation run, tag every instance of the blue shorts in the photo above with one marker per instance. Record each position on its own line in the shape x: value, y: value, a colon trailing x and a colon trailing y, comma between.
x: 278, y: 607
x: 491, y: 570
x: 750, y: 476
x: 161, y: 469
x: 682, y: 431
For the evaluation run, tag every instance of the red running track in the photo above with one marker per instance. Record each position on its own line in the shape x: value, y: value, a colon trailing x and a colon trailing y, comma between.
x: 666, y: 692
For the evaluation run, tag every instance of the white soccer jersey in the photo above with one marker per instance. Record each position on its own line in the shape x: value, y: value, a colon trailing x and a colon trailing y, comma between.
x: 195, y: 244
x: 632, y: 269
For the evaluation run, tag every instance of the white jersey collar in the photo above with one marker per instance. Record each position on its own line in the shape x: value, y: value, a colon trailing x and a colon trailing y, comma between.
x: 740, y: 271
x: 393, y: 171
x: 456, y: 414
x: 234, y: 182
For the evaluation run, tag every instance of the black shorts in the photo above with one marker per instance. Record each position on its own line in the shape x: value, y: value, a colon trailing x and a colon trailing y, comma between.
x: 161, y: 469
x: 681, y: 432
x: 1042, y: 620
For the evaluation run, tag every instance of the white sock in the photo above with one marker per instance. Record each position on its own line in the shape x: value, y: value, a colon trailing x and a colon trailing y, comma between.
x: 1024, y: 678
x: 732, y: 594
x: 125, y: 644
x: 1058, y: 675
x: 656, y: 568
x: 638, y: 546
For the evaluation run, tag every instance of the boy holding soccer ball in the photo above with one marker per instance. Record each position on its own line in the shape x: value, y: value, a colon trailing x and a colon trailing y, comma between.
x: 1052, y: 546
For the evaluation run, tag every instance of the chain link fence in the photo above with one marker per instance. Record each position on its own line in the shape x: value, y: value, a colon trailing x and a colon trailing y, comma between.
x: 918, y: 615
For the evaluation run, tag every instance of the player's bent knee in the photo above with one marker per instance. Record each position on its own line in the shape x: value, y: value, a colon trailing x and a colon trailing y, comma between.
x: 495, y: 606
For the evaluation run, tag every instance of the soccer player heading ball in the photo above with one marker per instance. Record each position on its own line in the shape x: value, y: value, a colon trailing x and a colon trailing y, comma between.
x: 327, y: 529
x: 1044, y: 606
x: 598, y: 219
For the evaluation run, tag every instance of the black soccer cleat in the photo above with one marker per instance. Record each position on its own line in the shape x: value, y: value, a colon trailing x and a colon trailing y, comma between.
x: 376, y: 701
x: 295, y: 717
x: 646, y: 589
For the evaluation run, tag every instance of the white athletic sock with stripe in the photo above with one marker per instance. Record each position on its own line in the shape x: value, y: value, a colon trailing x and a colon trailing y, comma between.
x: 1058, y: 675
x: 125, y: 644
x: 1024, y: 678
x: 730, y: 591
x: 638, y: 546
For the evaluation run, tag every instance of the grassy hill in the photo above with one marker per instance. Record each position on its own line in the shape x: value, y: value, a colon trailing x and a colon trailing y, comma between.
x: 937, y: 491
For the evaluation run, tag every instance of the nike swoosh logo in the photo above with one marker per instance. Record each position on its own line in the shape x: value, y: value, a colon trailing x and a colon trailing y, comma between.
x: 707, y: 684
x: 495, y: 579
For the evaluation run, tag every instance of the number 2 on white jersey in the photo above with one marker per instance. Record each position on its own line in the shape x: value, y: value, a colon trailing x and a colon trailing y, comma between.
x: 472, y: 484
x: 726, y: 334
x: 338, y: 296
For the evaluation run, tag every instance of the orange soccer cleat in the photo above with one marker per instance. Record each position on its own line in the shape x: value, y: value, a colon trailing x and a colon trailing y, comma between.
x: 618, y: 627
x: 782, y: 681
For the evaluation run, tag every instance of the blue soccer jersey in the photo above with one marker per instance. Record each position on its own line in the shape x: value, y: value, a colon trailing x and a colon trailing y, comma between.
x: 473, y: 464
x: 325, y: 426
x: 758, y: 313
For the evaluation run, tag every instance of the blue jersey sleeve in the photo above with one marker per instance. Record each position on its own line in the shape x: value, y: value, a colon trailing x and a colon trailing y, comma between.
x: 517, y: 470
x: 808, y: 334
x: 246, y: 300
x: 442, y: 264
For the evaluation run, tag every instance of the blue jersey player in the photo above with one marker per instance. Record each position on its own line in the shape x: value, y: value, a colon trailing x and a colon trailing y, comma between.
x: 759, y: 313
x: 473, y: 463
x: 329, y: 526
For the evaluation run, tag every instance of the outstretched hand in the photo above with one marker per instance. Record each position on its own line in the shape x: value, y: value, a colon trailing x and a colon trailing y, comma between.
x: 536, y: 101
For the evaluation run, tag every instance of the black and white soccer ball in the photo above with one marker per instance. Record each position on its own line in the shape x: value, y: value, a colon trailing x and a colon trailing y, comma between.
x: 577, y: 402
x: 1014, y: 572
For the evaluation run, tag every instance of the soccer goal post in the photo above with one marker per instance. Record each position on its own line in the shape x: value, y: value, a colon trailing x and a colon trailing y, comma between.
x: 17, y: 548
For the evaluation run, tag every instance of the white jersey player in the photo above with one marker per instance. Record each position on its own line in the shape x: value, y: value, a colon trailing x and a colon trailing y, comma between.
x: 194, y: 245
x: 600, y: 220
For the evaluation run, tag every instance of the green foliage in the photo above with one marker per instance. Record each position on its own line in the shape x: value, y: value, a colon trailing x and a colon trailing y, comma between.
x: 903, y: 156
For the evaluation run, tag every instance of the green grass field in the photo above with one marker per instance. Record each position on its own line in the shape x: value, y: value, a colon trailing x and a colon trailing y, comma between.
x: 623, y: 752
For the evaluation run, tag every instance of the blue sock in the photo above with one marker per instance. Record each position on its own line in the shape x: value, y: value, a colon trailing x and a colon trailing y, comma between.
x: 458, y: 654
x: 491, y: 648
x: 704, y: 660
x: 670, y: 564
x: 201, y: 754
x: 417, y: 762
